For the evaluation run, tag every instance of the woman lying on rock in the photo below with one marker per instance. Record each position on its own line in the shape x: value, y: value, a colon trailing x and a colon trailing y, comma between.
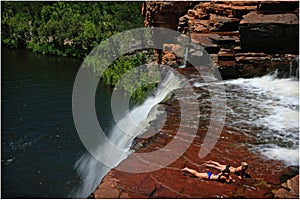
x: 222, y: 177
x: 240, y: 171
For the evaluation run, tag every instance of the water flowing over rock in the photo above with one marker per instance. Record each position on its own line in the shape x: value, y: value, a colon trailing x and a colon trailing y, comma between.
x: 244, y: 39
x: 170, y: 182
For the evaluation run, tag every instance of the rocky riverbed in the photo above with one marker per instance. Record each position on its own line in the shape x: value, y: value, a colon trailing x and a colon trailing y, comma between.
x: 267, y: 176
x: 245, y: 39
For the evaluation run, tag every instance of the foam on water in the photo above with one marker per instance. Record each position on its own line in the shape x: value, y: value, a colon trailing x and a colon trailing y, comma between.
x: 289, y: 156
x: 272, y: 106
x: 267, y: 109
x: 281, y: 118
x: 90, y: 170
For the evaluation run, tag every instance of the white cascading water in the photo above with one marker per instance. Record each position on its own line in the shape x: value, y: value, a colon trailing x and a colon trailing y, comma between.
x: 267, y: 109
x: 90, y: 170
x: 185, y: 58
x: 270, y: 106
x: 186, y: 52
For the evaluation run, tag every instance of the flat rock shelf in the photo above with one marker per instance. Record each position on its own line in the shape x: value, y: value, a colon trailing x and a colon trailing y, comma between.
x: 267, y: 176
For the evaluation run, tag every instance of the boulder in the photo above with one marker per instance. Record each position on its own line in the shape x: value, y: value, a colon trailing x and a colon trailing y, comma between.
x: 170, y: 59
x: 277, y: 6
x: 208, y: 41
x: 164, y: 14
x: 238, y: 11
x: 222, y: 23
x: 226, y: 55
x: 276, y: 33
x: 289, y: 189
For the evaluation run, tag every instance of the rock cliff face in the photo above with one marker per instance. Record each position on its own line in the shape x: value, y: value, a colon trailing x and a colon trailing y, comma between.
x: 245, y: 39
x: 273, y: 33
x: 165, y: 14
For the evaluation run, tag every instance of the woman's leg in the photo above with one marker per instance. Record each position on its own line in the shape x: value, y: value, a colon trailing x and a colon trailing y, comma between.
x: 218, y: 167
x: 214, y: 163
x: 195, y: 173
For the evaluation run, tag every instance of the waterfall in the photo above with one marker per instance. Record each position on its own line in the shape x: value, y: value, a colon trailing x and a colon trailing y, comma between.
x: 291, y: 68
x: 294, y: 67
x: 90, y: 170
x: 185, y: 58
x: 297, y: 69
x: 186, y: 53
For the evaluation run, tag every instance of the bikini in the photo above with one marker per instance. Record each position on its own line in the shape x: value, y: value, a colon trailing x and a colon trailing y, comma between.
x: 219, y: 178
x: 239, y: 173
x: 227, y: 167
x: 222, y: 174
x: 209, y: 175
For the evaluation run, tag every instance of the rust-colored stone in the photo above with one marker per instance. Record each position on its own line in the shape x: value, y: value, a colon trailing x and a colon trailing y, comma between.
x: 274, y: 33
x: 257, y: 33
x: 233, y: 60
x: 170, y: 182
x: 289, y: 189
x: 107, y: 190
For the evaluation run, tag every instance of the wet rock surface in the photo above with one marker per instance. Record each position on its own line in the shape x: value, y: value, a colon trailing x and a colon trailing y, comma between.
x: 223, y: 28
x: 169, y: 181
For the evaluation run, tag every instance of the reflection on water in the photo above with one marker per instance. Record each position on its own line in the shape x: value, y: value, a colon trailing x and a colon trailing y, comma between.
x: 39, y: 142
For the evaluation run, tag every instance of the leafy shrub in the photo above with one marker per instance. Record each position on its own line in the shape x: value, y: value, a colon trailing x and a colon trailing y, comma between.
x: 65, y: 28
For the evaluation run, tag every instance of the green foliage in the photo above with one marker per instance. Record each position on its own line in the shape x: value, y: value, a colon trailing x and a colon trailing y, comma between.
x: 140, y: 94
x: 122, y: 65
x: 15, y: 29
x: 127, y: 73
x: 74, y: 29
x: 65, y: 28
x: 138, y: 83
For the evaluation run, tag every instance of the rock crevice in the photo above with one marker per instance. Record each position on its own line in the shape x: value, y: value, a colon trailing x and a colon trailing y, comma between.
x: 252, y: 28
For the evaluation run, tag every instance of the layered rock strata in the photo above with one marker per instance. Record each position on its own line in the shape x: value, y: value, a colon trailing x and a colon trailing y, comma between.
x: 272, y: 33
x: 245, y: 39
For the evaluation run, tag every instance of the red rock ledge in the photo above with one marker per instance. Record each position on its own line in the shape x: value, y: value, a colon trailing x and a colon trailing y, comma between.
x: 244, y: 38
x: 266, y: 175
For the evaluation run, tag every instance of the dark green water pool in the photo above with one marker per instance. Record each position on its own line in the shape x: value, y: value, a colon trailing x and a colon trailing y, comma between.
x: 39, y: 142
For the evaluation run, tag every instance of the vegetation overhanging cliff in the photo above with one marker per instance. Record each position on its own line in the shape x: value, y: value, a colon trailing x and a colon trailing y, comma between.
x: 229, y: 32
